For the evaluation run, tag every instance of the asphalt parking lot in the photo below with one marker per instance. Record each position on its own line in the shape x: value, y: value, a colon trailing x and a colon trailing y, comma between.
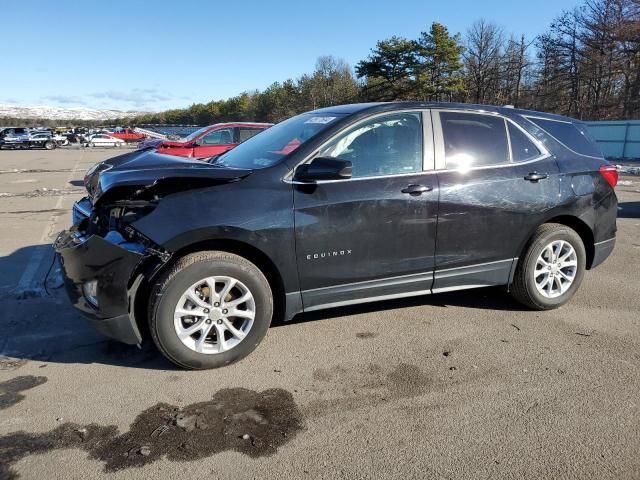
x: 461, y: 385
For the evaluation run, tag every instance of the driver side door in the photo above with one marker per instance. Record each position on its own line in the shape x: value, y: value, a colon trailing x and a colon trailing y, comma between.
x: 372, y: 236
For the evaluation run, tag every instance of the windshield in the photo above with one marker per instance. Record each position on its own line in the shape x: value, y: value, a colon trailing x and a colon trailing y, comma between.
x: 193, y: 135
x: 270, y: 146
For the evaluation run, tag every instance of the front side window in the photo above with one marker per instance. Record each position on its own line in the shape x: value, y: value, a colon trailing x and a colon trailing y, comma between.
x: 474, y: 140
x: 219, y: 137
x: 385, y: 145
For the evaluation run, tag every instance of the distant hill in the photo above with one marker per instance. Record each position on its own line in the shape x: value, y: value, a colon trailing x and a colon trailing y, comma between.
x: 42, y: 112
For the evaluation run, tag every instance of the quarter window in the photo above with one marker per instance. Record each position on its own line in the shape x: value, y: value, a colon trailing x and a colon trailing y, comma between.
x: 473, y: 140
x: 522, y: 149
x: 385, y: 145
x: 572, y: 135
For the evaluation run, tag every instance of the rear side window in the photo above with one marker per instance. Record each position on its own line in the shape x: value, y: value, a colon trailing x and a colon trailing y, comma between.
x: 571, y: 135
x: 473, y: 140
x: 522, y: 149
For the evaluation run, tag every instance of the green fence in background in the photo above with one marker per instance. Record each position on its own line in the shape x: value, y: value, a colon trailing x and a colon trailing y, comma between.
x: 617, y: 139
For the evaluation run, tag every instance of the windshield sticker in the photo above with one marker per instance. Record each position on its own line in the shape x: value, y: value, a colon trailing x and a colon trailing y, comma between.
x: 321, y: 120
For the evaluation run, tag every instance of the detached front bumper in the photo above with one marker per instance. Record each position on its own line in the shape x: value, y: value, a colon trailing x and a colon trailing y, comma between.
x: 97, y: 276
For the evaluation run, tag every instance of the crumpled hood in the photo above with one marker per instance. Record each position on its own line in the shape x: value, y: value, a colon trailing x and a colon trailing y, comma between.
x: 147, y: 169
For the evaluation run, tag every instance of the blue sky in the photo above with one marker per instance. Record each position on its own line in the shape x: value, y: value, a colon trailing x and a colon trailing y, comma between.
x: 133, y: 55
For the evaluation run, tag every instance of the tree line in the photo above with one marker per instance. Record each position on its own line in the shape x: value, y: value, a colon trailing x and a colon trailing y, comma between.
x: 585, y: 65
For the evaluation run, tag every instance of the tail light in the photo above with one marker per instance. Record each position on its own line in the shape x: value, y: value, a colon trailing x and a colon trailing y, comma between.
x: 610, y: 174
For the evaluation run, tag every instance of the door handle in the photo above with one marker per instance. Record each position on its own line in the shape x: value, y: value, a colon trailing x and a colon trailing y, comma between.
x: 535, y: 177
x: 416, y: 189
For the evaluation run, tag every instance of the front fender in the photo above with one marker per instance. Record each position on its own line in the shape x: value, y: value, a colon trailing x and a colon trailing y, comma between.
x: 257, y: 211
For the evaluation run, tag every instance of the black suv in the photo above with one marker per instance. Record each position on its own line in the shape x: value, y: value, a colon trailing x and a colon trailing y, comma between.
x: 338, y: 206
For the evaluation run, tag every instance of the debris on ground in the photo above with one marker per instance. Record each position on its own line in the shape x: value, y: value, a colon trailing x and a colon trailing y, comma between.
x: 144, y: 451
x: 10, y: 363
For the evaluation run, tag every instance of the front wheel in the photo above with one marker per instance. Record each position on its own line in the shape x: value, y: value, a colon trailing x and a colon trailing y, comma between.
x: 49, y: 145
x: 209, y: 310
x: 552, y: 268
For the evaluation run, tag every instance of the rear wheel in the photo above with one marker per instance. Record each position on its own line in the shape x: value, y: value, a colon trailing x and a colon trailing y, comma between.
x: 209, y: 310
x: 552, y: 268
x: 49, y: 145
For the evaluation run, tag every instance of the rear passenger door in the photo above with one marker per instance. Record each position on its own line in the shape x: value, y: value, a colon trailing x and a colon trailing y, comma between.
x: 496, y: 184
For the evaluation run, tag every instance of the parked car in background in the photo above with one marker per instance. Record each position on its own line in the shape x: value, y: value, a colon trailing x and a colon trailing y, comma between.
x: 344, y: 205
x: 32, y: 139
x: 127, y: 135
x: 43, y: 140
x: 14, y: 140
x: 212, y: 140
x: 103, y: 140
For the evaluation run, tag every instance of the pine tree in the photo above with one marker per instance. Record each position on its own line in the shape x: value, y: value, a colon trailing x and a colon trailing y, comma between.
x: 439, y: 65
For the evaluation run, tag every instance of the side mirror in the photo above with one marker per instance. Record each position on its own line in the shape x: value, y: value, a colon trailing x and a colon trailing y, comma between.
x: 324, y: 168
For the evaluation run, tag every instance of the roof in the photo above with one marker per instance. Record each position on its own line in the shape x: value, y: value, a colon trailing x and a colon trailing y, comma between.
x: 383, y: 106
x: 240, y: 124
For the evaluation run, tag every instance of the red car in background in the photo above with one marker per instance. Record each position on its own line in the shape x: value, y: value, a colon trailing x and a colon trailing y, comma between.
x: 127, y: 135
x: 212, y: 140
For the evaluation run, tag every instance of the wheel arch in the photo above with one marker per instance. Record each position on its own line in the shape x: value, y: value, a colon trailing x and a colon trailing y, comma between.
x: 260, y: 259
x: 575, y: 223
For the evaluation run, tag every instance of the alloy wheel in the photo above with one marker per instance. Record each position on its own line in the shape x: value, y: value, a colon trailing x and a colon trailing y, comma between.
x: 214, y: 314
x: 556, y: 269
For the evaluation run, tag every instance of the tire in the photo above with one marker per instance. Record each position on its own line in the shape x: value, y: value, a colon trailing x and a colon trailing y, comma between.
x: 49, y: 145
x: 170, y: 290
x: 92, y: 145
x: 526, y: 288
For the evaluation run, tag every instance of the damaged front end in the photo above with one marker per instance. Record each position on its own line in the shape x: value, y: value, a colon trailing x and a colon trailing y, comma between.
x: 104, y: 257
x: 104, y: 261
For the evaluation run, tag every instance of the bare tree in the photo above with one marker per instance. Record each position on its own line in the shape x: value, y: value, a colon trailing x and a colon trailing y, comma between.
x: 514, y: 69
x: 484, y: 43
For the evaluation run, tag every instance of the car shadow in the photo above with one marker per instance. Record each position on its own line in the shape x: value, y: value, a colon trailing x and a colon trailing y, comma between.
x: 39, y: 323
x: 77, y: 183
x: 629, y: 210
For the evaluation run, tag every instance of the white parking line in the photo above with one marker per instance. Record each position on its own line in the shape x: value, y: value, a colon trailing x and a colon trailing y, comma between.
x: 26, y: 281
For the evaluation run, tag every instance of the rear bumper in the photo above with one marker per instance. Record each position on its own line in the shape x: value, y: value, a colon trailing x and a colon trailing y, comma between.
x: 94, y: 259
x: 602, y: 250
